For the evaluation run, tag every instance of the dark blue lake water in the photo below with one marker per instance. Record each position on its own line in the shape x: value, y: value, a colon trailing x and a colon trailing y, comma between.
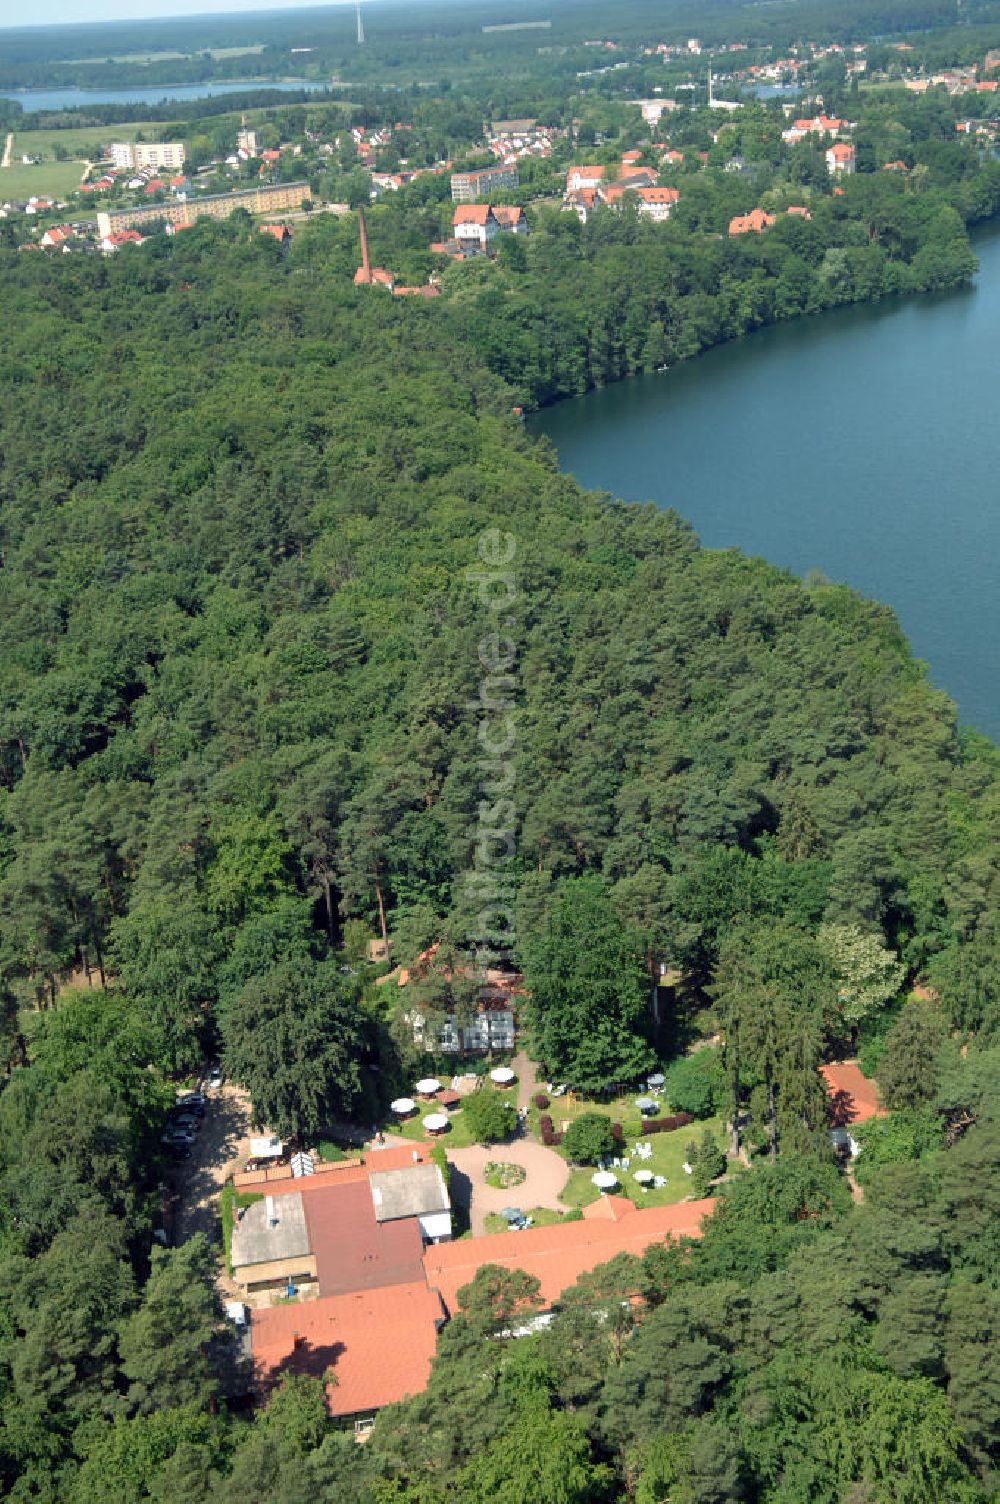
x: 865, y: 443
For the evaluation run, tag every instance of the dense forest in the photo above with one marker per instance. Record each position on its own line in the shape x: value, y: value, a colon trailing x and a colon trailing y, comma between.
x: 438, y: 43
x: 242, y: 657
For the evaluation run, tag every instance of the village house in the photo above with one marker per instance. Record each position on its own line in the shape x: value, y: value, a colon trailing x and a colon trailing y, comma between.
x: 475, y: 226
x: 115, y: 239
x: 841, y: 158
x: 57, y: 235
x: 818, y: 125
x: 656, y: 203
x: 584, y: 177
x: 344, y: 1228
x: 754, y: 222
x: 853, y: 1099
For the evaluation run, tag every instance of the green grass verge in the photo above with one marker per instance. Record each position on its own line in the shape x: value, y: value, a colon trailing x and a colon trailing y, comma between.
x: 229, y: 1197
x: 47, y: 179
x: 667, y: 1159
x: 541, y: 1216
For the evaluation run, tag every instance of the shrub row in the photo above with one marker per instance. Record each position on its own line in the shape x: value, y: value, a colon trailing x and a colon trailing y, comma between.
x: 549, y: 1136
x: 617, y: 1132
x: 667, y: 1125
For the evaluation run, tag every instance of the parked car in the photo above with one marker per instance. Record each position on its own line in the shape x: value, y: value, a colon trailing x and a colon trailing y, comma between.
x: 174, y: 1136
x: 215, y: 1078
x: 184, y: 1122
x: 191, y: 1101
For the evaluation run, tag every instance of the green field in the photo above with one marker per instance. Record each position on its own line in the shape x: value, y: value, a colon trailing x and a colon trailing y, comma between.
x: 55, y: 179
x: 81, y: 142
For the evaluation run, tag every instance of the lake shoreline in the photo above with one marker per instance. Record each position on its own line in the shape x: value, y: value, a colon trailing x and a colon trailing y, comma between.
x: 861, y: 445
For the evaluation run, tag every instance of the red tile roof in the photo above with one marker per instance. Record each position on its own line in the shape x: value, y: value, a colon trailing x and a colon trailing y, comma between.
x: 352, y: 1250
x: 658, y: 195
x: 853, y: 1098
x: 379, y: 1344
x: 608, y: 1209
x: 756, y: 220
x: 471, y: 214
x: 558, y: 1255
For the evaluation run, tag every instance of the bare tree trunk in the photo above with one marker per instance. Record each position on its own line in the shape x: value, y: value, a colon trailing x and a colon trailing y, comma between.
x: 381, y: 914
x: 100, y: 958
x: 772, y: 1117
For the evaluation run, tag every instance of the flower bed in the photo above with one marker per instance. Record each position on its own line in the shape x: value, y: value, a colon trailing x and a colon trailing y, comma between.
x: 502, y: 1175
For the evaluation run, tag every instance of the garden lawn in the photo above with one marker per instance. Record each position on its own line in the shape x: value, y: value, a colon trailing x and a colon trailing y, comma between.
x: 458, y: 1136
x: 541, y: 1216
x: 45, y: 179
x: 667, y: 1158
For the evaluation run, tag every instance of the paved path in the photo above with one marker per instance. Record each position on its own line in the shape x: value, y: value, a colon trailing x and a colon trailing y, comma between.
x: 7, y: 148
x: 547, y: 1173
x: 527, y: 1081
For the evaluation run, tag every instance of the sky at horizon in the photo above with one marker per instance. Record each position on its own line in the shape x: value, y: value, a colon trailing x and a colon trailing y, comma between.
x: 18, y: 13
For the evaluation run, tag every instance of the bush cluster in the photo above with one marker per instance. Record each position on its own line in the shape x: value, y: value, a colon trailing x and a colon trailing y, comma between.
x: 540, y: 1100
x: 667, y: 1125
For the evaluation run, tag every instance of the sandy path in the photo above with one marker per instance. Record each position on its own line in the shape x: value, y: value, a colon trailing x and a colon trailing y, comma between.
x: 222, y: 1144
x: 8, y: 147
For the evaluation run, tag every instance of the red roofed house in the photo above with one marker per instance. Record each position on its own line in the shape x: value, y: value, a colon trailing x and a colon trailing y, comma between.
x: 853, y: 1099
x: 756, y: 221
x: 629, y: 158
x: 475, y: 225
x: 57, y: 235
x: 115, y: 241
x: 510, y: 219
x: 894, y: 167
x: 584, y: 177
x: 841, y: 157
x: 800, y: 210
x: 556, y: 1256
x: 378, y: 1343
x: 656, y: 203
x: 155, y: 185
x: 281, y: 233
x: 673, y: 156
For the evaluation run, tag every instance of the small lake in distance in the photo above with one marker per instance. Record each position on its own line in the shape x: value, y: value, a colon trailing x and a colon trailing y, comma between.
x: 864, y: 442
x: 68, y: 99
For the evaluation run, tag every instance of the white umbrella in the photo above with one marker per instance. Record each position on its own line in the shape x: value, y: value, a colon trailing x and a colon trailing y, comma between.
x: 604, y: 1180
x: 645, y: 1104
x: 654, y: 1081
x: 643, y: 1176
x: 503, y: 1075
x: 428, y: 1086
x: 403, y: 1106
x: 436, y: 1123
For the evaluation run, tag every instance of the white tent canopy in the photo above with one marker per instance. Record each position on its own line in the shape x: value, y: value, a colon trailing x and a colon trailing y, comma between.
x: 604, y: 1180
x: 428, y: 1086
x: 437, y: 1122
x: 403, y: 1106
x: 503, y: 1075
